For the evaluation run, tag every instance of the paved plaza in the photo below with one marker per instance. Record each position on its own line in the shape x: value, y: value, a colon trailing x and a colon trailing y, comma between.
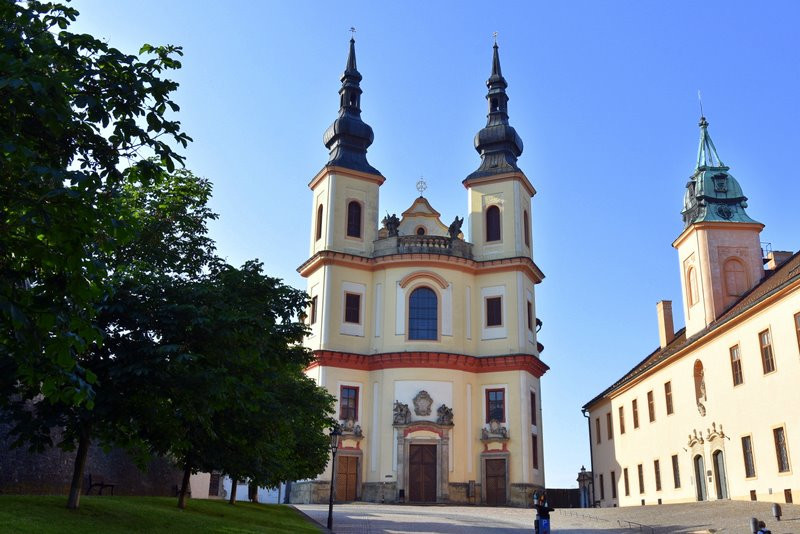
x: 708, y: 517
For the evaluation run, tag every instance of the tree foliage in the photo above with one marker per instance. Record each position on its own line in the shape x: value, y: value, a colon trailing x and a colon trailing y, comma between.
x: 76, y: 114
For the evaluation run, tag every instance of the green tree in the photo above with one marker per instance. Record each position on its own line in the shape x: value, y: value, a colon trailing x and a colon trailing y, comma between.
x: 75, y: 114
x: 168, y: 217
x: 239, y: 401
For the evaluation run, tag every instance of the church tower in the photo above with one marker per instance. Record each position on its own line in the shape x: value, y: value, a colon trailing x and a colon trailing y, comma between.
x: 427, y: 341
x: 499, y: 192
x: 719, y: 249
x: 345, y: 191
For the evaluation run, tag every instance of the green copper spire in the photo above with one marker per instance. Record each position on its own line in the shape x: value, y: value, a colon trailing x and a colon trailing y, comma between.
x: 712, y: 193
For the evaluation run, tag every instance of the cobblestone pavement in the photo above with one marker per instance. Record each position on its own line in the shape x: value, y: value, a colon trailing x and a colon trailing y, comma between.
x: 693, y: 518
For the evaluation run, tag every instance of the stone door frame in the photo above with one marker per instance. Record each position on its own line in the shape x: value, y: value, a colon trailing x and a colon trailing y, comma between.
x: 442, y: 443
x: 495, y: 455
x: 359, y: 456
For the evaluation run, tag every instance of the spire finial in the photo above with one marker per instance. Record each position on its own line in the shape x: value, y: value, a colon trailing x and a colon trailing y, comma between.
x: 700, y: 99
x: 495, y: 38
x: 352, y: 33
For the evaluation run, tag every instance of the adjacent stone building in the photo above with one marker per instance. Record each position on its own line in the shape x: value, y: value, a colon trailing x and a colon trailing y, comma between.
x: 713, y: 412
x: 426, y: 338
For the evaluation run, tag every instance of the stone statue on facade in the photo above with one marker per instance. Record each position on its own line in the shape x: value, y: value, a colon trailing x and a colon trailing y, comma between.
x: 494, y: 431
x: 423, y: 403
x: 391, y: 223
x: 402, y: 415
x: 445, y: 415
x: 455, y: 227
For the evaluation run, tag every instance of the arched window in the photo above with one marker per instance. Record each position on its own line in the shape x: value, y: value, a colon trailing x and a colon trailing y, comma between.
x: 691, y: 289
x: 421, y: 230
x: 735, y: 278
x: 526, y: 222
x: 423, y: 312
x: 319, y: 222
x: 354, y: 219
x: 493, y: 224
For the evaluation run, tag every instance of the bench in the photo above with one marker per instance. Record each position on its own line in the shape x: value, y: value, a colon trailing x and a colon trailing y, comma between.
x: 100, y: 483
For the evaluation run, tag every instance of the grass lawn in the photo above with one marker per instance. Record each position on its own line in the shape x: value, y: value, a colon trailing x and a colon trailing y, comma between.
x: 105, y: 514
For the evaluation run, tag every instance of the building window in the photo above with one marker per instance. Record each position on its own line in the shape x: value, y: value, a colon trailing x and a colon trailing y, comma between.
x: 348, y: 403
x: 691, y: 277
x: 641, y: 478
x: 797, y: 328
x: 735, y: 278
x: 621, y: 420
x: 423, y: 313
x: 626, y: 481
x: 496, y: 405
x: 747, y: 456
x: 535, y: 450
x: 533, y: 408
x: 668, y: 396
x: 767, y: 359
x: 610, y: 428
x: 493, y: 224
x: 780, y: 449
x: 651, y: 406
x: 635, y: 410
x: 676, y: 472
x: 529, y: 308
x: 313, y: 310
x: 613, y: 485
x: 736, y: 366
x: 352, y: 308
x: 526, y: 222
x: 597, y: 438
x: 354, y: 219
x: 494, y: 311
x: 657, y: 471
x: 602, y: 488
x: 318, y: 230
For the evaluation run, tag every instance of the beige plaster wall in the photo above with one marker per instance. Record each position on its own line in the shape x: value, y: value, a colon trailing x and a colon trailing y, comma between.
x: 378, y: 390
x: 754, y: 408
x: 511, y: 197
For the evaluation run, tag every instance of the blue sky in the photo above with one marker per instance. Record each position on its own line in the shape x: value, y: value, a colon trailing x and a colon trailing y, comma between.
x: 603, y: 94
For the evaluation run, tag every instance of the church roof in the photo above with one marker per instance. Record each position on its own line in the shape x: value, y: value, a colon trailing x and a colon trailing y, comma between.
x: 498, y: 142
x: 712, y: 193
x: 349, y: 137
x: 774, y: 281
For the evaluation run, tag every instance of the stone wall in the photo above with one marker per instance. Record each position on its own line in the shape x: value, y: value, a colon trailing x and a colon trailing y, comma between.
x: 310, y: 492
x: 521, y: 495
x: 50, y: 472
x: 384, y: 492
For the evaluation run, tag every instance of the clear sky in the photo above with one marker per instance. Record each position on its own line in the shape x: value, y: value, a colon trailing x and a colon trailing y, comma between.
x: 603, y: 94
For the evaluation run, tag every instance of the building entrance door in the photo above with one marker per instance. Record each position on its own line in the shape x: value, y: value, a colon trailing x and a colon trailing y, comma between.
x: 422, y: 473
x: 700, y: 477
x: 346, y: 478
x: 496, y: 482
x: 719, y: 476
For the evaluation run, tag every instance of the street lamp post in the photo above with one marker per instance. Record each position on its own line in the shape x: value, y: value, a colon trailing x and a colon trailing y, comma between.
x: 335, y: 434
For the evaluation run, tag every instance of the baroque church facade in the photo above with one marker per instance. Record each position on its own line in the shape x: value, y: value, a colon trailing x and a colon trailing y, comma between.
x: 712, y: 413
x: 427, y: 340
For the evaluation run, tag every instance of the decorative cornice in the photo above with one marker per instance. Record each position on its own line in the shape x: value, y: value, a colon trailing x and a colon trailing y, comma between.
x: 423, y: 274
x: 331, y: 257
x: 335, y: 169
x: 431, y: 360
x: 517, y: 175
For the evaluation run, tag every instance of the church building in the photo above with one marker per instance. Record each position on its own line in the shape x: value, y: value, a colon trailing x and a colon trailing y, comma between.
x: 713, y: 412
x: 426, y: 333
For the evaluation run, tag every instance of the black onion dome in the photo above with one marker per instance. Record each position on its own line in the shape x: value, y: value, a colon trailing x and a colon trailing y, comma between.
x: 498, y: 143
x: 349, y: 137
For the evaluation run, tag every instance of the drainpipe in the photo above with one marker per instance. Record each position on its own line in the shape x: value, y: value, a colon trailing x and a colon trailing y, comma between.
x: 591, y: 454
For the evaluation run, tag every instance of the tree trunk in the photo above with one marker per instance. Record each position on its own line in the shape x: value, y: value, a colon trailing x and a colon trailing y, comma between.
x: 234, y: 484
x: 187, y: 472
x: 74, y: 500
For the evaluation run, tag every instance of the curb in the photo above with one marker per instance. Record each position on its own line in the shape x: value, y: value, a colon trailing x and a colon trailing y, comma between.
x: 310, y: 519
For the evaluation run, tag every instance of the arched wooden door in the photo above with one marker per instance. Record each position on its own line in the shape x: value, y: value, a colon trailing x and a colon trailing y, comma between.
x: 700, y: 477
x: 719, y: 475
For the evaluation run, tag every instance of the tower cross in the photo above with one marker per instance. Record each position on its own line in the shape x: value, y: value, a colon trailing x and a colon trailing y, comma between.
x: 495, y: 37
x: 421, y: 185
x: 352, y: 32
